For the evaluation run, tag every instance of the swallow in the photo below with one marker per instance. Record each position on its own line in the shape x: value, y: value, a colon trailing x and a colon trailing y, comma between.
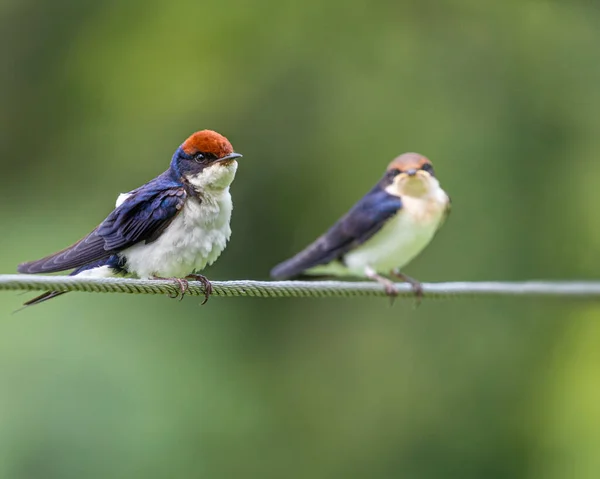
x: 381, y: 233
x: 169, y: 228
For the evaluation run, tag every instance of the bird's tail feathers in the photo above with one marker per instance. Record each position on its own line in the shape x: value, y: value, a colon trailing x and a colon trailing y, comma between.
x: 43, y: 297
x: 114, y: 262
x: 288, y: 269
x: 85, y: 251
x: 297, y: 265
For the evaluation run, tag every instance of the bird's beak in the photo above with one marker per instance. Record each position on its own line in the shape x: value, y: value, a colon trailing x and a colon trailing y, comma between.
x: 411, y: 172
x: 231, y: 156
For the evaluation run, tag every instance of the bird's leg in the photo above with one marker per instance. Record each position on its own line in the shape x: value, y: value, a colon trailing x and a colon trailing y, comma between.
x: 416, y: 285
x: 208, y: 289
x: 183, y: 286
x: 388, y: 285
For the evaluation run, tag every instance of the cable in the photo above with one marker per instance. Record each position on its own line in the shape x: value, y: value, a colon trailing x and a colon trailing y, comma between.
x: 299, y: 289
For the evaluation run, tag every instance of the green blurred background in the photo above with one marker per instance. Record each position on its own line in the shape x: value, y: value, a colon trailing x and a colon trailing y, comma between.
x: 504, y: 97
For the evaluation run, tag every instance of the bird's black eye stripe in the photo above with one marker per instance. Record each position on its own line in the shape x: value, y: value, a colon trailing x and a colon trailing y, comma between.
x: 428, y: 168
x: 393, y: 173
x: 389, y: 176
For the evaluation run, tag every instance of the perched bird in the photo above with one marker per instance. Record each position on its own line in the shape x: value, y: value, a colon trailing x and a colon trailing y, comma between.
x: 384, y: 231
x: 169, y: 228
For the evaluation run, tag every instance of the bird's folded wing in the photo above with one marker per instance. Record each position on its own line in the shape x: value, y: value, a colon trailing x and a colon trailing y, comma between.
x: 358, y: 225
x: 141, y: 217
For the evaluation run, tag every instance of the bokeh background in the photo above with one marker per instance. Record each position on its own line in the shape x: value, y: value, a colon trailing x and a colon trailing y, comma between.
x: 504, y: 97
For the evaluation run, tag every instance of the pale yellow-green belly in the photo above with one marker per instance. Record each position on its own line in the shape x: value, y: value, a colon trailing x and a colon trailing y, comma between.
x: 401, y: 239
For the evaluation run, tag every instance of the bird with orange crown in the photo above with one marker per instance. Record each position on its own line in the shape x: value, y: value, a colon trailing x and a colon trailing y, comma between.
x: 382, y: 232
x: 171, y: 227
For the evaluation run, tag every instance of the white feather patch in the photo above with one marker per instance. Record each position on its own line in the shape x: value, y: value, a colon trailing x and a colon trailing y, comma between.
x: 196, y: 237
x: 121, y: 198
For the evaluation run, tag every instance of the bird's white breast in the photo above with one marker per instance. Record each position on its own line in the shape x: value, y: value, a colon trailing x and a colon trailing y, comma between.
x: 197, y: 235
x: 403, y: 237
x: 194, y: 239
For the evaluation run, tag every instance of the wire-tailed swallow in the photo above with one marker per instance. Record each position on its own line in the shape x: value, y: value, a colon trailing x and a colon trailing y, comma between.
x: 171, y: 227
x: 383, y: 232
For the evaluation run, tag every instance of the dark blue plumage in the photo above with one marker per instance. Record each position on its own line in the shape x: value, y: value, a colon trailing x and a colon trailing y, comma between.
x: 144, y: 214
x: 363, y: 220
x: 141, y: 217
x: 131, y: 240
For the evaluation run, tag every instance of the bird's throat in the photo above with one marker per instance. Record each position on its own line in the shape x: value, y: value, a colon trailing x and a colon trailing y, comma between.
x: 215, y: 177
x: 415, y: 187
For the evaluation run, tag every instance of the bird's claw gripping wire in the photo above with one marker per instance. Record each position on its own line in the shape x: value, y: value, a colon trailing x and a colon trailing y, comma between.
x: 416, y: 285
x: 208, y: 288
x: 181, y: 283
x: 184, y: 285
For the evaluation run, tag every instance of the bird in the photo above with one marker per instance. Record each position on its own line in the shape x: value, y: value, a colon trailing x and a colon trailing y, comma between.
x: 171, y: 227
x: 382, y: 232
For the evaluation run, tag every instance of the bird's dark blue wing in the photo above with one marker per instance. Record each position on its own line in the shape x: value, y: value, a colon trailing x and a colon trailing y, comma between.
x: 360, y: 223
x: 141, y: 217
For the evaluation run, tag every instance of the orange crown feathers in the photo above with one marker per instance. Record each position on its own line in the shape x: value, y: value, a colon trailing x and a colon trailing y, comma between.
x: 407, y: 161
x: 207, y: 141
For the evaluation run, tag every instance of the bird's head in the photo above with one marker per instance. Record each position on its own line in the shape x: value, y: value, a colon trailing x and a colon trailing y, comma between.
x: 410, y: 174
x: 206, y: 160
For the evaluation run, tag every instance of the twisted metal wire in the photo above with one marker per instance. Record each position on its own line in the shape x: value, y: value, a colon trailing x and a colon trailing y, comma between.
x: 299, y: 289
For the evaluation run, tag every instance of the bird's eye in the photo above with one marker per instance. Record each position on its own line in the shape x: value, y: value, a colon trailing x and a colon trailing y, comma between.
x: 198, y: 157
x: 428, y: 168
x: 391, y: 174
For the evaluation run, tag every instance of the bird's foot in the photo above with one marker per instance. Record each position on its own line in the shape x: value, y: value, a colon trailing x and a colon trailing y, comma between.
x: 389, y: 287
x: 416, y: 285
x: 182, y: 283
x: 208, y: 289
